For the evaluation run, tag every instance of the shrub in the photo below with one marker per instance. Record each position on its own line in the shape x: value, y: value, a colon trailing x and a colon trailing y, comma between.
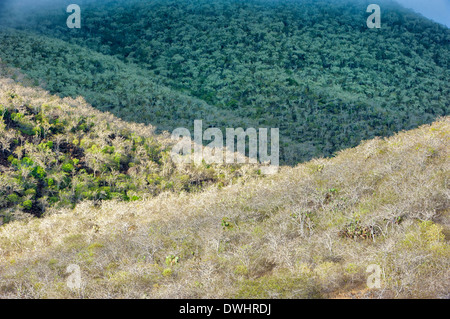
x: 28, y: 204
x: 68, y: 168
x: 13, y: 198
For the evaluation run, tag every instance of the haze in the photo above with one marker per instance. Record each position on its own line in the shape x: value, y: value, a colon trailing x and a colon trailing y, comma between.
x: 436, y: 10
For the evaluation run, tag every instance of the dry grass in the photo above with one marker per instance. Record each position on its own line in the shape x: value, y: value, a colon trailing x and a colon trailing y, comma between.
x: 277, y: 237
x: 307, y: 232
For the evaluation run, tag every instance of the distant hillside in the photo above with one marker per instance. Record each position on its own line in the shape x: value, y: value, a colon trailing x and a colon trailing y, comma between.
x: 311, y: 68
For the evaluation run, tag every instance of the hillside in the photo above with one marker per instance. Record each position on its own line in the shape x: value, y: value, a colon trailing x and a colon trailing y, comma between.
x: 88, y: 181
x: 311, y: 68
x: 307, y: 232
x: 56, y: 152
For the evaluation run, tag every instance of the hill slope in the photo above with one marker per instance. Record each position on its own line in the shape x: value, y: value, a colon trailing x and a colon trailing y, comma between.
x: 56, y: 152
x: 310, y: 231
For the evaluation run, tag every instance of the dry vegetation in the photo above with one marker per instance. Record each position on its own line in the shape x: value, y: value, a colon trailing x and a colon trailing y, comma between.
x: 307, y: 232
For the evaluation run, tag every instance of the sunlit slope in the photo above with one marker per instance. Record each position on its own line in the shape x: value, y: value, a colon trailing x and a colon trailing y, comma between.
x: 310, y: 231
x: 311, y: 68
x: 58, y: 152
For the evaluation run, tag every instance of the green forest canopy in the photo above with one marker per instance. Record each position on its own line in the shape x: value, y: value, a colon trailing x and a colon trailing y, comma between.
x: 311, y: 68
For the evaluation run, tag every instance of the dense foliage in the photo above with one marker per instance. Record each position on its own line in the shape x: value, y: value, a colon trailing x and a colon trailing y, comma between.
x: 311, y: 68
